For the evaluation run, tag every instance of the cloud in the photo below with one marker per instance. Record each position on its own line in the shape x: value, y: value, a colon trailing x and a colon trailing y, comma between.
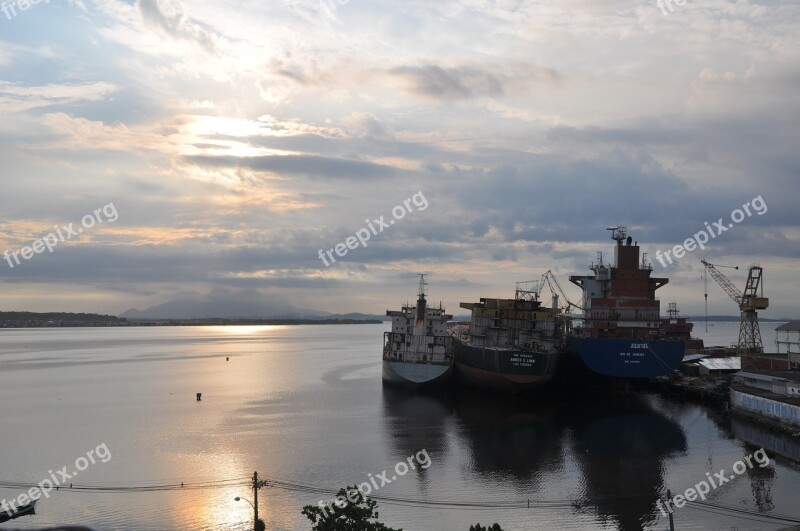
x: 237, y: 142
x: 79, y: 133
x: 16, y: 97
x: 302, y: 165
x: 366, y: 124
x: 474, y: 80
x: 167, y: 17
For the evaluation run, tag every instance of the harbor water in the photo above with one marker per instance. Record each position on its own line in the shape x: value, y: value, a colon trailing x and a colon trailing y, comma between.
x: 305, y: 407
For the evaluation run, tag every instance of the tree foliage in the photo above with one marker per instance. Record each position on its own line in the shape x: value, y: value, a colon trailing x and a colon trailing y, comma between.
x: 349, y: 511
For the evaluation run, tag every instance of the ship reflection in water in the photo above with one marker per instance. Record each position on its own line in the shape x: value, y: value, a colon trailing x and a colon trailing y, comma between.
x: 605, y: 460
x: 621, y: 447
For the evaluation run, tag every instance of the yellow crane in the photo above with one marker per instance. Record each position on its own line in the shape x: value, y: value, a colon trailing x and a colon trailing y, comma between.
x: 749, y: 302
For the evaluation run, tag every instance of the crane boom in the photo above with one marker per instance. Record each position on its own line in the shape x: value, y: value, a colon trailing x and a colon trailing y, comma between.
x: 555, y: 288
x: 750, y: 343
x: 732, y: 291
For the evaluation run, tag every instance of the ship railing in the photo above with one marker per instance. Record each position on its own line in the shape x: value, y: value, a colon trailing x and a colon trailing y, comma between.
x: 394, y: 356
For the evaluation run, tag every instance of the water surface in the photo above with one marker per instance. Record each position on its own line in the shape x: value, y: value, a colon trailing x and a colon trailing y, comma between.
x: 305, y: 406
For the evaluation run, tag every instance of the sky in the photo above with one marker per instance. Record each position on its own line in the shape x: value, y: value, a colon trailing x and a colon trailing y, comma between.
x: 217, y: 147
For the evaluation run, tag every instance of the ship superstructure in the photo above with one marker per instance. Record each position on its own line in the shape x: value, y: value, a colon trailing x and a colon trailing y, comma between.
x: 419, y: 349
x: 621, y: 333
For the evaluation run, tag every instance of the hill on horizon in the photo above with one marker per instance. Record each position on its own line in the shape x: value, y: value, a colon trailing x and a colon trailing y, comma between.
x: 226, y: 305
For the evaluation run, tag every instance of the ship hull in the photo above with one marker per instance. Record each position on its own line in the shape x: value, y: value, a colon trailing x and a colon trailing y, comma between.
x: 416, y: 374
x: 625, y: 358
x: 502, y: 370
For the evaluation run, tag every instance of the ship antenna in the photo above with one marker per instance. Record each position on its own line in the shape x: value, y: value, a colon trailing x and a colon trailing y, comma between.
x: 618, y: 233
x: 705, y: 288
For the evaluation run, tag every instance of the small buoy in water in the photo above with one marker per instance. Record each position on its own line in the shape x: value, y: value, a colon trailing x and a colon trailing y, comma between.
x: 199, y: 396
x: 227, y: 358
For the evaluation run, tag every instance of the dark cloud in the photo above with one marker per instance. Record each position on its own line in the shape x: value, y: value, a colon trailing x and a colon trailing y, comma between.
x: 168, y: 18
x: 302, y: 165
x: 471, y: 81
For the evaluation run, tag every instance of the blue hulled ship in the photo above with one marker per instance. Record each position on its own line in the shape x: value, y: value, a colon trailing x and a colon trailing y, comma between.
x: 621, y: 333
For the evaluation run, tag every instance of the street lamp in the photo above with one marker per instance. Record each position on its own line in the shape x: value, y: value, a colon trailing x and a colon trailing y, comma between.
x: 238, y: 498
x: 258, y: 524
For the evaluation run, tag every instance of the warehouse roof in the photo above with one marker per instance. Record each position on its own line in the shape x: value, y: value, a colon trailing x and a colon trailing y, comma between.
x: 791, y: 326
x: 722, y: 364
x: 693, y: 357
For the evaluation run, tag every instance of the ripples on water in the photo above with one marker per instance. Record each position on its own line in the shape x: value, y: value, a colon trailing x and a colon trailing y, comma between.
x: 305, y: 405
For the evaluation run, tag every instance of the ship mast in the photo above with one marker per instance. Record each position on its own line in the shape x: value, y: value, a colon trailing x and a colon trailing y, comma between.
x: 422, y: 284
x: 422, y: 308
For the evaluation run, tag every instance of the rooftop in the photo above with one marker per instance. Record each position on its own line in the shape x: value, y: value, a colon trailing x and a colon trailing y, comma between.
x: 793, y: 376
x: 693, y: 357
x: 722, y: 364
x: 743, y: 388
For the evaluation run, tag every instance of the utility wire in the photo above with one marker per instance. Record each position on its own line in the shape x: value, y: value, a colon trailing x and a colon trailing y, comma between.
x: 76, y: 487
x: 774, y: 516
x: 245, y: 481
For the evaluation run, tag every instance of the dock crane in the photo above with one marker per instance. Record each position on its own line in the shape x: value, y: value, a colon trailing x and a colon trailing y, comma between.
x: 749, y: 302
x: 560, y: 299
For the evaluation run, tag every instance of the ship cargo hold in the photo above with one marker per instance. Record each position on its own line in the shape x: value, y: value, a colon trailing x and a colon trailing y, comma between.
x: 509, y: 345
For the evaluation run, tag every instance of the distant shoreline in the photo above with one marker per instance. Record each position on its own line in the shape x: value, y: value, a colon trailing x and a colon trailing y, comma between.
x: 248, y: 322
x: 92, y: 320
x: 89, y: 320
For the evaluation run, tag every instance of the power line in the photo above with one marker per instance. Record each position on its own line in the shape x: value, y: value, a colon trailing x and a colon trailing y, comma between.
x: 245, y: 481
x: 773, y: 516
x: 75, y: 487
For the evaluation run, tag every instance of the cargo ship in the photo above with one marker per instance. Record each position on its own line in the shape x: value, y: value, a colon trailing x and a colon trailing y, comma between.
x: 509, y: 345
x: 418, y: 351
x: 621, y: 333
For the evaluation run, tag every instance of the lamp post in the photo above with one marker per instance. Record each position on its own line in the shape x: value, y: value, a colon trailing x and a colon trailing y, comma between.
x: 258, y: 525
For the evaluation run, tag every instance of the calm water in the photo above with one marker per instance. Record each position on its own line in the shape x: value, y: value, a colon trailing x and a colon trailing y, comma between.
x: 305, y: 405
x: 727, y: 333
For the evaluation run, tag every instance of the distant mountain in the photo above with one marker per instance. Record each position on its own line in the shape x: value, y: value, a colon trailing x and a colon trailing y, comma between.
x: 224, y: 304
x: 325, y: 315
x: 360, y: 316
x: 736, y: 318
x: 227, y: 304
